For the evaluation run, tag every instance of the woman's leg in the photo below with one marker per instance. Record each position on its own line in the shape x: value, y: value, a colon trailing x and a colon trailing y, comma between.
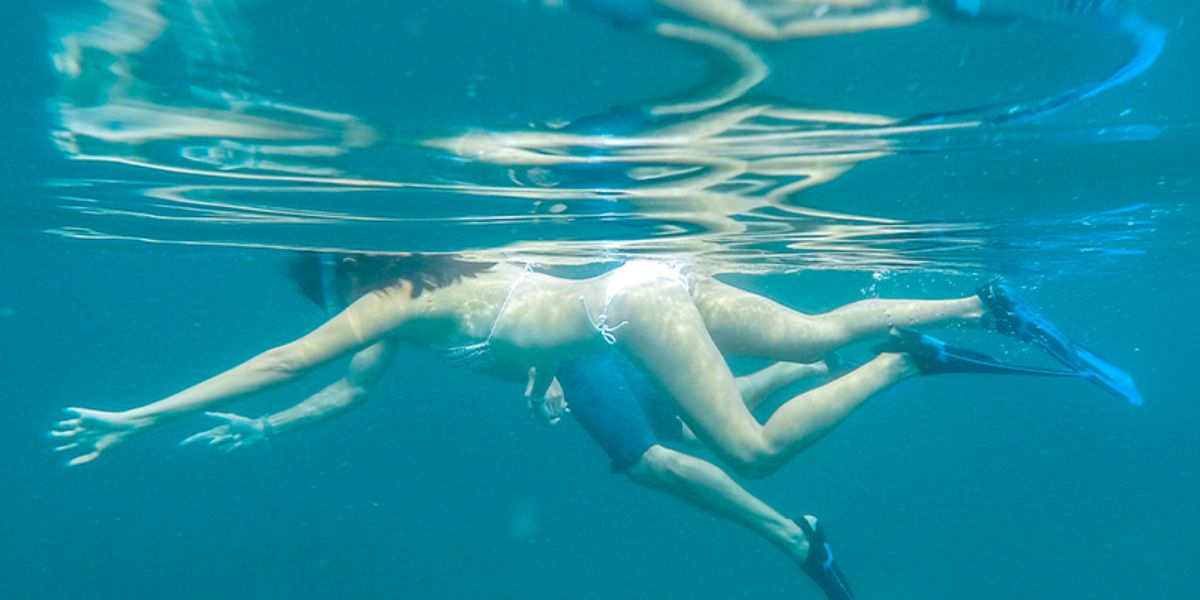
x: 756, y: 387
x: 806, y: 418
x: 667, y: 338
x: 663, y: 335
x: 746, y: 324
x: 762, y: 384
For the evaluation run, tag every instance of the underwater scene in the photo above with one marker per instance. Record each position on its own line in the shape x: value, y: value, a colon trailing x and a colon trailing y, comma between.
x: 544, y: 299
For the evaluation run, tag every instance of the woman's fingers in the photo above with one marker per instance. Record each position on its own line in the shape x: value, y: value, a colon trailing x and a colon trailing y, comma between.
x: 89, y: 431
x: 69, y: 425
x: 85, y: 416
x: 84, y: 459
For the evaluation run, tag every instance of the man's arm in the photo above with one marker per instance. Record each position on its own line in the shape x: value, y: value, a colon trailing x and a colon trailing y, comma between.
x: 365, y: 370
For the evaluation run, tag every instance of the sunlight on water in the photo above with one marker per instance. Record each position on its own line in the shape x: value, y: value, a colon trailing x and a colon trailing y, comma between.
x: 184, y: 146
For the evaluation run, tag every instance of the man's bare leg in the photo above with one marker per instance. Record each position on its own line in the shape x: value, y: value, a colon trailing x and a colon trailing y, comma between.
x: 704, y: 485
x: 709, y: 488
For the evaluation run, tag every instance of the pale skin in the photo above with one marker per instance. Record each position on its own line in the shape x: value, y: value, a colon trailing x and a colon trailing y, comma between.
x: 675, y: 336
x: 789, y: 19
x: 545, y: 399
x: 692, y: 480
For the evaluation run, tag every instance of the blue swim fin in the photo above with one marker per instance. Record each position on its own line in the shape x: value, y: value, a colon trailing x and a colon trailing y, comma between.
x: 1145, y: 40
x: 1106, y: 375
x: 1011, y: 316
x: 934, y: 357
x: 820, y: 564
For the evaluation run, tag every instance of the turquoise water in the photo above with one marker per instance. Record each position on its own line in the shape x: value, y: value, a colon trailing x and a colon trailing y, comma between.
x: 153, y: 196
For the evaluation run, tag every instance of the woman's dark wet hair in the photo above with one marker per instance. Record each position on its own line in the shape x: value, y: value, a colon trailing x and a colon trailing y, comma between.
x: 371, y: 272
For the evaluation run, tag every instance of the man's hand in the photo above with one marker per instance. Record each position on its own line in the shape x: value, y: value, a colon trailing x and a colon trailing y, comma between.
x: 548, y: 405
x: 236, y: 432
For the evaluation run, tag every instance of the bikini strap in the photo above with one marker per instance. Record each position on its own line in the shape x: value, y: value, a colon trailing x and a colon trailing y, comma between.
x: 600, y: 324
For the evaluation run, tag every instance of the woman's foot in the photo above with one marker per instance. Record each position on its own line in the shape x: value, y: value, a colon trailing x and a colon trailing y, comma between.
x: 932, y: 356
x: 1009, y: 315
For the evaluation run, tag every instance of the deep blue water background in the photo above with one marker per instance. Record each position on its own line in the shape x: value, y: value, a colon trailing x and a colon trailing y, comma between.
x: 443, y: 487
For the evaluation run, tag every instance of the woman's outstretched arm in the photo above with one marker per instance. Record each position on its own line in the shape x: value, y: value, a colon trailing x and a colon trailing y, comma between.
x: 365, y: 370
x: 364, y: 323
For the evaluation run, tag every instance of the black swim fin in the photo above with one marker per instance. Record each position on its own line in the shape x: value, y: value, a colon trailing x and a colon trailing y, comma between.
x: 1011, y: 316
x: 838, y: 365
x: 934, y: 357
x: 820, y: 564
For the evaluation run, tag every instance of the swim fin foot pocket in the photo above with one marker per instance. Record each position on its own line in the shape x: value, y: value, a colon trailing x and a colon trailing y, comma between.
x: 820, y: 564
x: 1009, y: 315
x: 934, y: 357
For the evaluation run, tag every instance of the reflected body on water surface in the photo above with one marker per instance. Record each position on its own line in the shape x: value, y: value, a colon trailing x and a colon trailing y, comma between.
x: 701, y: 187
x: 715, y: 170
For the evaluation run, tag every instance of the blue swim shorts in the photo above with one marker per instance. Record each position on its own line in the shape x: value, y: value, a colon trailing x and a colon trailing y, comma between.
x: 617, y: 406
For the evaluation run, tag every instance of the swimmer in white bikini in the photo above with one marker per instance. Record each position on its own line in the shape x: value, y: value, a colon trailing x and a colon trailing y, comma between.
x: 617, y: 408
x: 673, y: 328
x: 768, y: 20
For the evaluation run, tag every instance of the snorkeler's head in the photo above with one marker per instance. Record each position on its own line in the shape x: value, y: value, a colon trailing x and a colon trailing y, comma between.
x: 333, y: 280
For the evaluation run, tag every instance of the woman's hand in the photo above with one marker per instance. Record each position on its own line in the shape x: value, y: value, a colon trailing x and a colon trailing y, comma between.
x: 91, y: 432
x: 236, y: 432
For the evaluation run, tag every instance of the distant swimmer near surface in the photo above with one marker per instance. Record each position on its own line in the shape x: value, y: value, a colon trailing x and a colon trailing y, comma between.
x: 765, y: 21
